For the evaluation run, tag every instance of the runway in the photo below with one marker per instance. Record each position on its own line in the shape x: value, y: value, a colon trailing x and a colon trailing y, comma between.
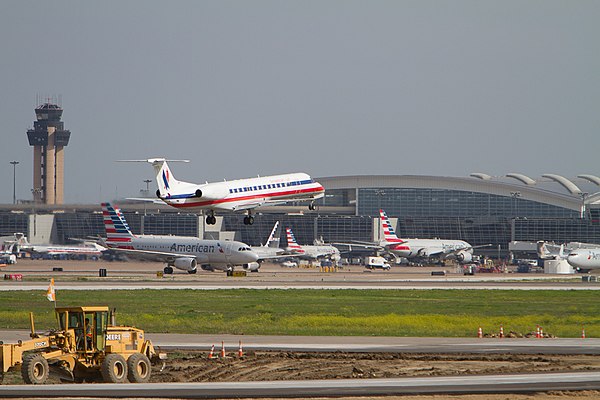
x: 526, y: 383
x: 138, y: 275
x: 168, y: 341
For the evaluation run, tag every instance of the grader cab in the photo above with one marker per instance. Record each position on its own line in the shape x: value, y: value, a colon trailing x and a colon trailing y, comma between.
x: 85, y: 347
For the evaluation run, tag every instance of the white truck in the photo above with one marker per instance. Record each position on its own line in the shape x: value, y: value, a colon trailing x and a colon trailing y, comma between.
x: 372, y: 262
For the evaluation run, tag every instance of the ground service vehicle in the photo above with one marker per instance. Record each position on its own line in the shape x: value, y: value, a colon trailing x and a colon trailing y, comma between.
x: 376, y: 262
x: 84, y: 348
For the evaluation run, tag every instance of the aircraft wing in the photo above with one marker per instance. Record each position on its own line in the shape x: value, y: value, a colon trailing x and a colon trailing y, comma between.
x: 361, y: 245
x: 158, y: 256
x: 147, y: 200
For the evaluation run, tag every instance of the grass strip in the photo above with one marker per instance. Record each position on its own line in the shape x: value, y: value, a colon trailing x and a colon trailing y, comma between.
x: 446, y: 313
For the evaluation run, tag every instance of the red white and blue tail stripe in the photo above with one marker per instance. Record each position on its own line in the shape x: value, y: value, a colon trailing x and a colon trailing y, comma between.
x: 388, y: 232
x: 291, y: 240
x: 117, y: 230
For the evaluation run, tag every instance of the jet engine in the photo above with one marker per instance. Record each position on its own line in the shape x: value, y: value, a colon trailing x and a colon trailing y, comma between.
x: 185, y: 263
x: 211, y: 192
x: 252, y: 267
x: 464, y: 257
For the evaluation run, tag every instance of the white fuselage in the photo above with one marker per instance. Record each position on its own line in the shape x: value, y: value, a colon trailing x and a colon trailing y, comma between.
x: 244, y: 193
x: 314, y: 252
x: 584, y: 258
x: 212, y: 252
x: 59, y: 250
x: 412, y: 248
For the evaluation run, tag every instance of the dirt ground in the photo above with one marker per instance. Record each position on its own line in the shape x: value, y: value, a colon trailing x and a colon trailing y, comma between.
x: 195, y: 366
x: 192, y: 366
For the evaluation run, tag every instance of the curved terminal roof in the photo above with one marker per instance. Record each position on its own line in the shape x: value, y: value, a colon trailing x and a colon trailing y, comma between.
x: 523, y: 178
x: 499, y: 188
x: 567, y: 184
x: 481, y: 175
x: 590, y: 178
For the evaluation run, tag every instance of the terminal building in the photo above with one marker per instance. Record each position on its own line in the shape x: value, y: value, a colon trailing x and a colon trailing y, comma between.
x: 479, y: 209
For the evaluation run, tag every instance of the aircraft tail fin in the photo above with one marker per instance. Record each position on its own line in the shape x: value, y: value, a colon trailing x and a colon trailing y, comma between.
x: 115, y: 225
x: 273, y: 241
x: 164, y: 178
x: 292, y: 244
x: 388, y: 231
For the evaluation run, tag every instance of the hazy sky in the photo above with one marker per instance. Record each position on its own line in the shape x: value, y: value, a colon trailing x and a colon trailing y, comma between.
x: 326, y: 87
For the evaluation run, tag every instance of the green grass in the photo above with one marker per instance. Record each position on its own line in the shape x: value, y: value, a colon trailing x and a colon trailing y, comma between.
x: 324, y: 312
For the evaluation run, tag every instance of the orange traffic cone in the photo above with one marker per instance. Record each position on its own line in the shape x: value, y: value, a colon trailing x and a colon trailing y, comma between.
x: 537, y: 332
x: 222, y: 349
x: 479, y: 333
x: 501, y: 331
x: 211, y: 354
x: 582, y: 332
x: 240, y: 351
x: 541, y: 333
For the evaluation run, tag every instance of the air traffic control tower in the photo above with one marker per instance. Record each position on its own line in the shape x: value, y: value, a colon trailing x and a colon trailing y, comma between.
x: 48, y: 138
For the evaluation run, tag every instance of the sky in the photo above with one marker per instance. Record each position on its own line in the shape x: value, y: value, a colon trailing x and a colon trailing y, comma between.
x: 337, y: 87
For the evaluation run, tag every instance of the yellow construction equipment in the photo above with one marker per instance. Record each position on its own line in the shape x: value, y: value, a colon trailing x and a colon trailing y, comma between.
x: 87, y: 346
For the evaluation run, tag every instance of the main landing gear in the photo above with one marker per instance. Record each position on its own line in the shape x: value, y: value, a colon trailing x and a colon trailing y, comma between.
x: 312, y: 206
x: 211, y: 219
x: 249, y: 219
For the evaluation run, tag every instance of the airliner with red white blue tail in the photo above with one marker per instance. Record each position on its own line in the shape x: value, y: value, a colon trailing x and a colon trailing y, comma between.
x: 236, y: 195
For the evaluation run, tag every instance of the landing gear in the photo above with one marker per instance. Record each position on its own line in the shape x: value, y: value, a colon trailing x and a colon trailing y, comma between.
x: 312, y: 206
x: 249, y: 219
x: 168, y: 270
x: 211, y: 219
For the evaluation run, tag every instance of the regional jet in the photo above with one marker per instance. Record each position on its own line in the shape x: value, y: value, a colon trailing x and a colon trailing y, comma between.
x: 236, y: 195
x: 182, y: 252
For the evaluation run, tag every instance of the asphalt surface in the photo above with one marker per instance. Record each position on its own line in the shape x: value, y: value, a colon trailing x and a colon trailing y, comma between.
x: 362, y: 343
x: 526, y: 383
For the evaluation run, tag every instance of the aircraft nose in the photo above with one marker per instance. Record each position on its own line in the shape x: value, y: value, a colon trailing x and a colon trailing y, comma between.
x: 251, y: 256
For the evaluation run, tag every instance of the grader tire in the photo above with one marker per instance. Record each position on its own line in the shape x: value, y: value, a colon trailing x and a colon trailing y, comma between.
x: 35, y: 369
x: 114, y: 369
x: 138, y: 367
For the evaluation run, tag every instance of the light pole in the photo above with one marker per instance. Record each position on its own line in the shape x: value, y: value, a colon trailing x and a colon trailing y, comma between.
x: 515, y: 203
x: 14, y: 164
x: 379, y: 193
x: 147, y: 183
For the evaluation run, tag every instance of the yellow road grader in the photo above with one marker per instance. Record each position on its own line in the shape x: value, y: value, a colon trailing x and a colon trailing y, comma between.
x: 87, y: 346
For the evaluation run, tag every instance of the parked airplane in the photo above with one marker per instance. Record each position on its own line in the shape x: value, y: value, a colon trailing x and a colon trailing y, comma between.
x: 89, y: 249
x: 416, y: 249
x: 237, y: 195
x: 270, y: 249
x: 311, y: 252
x: 182, y: 252
x: 581, y: 256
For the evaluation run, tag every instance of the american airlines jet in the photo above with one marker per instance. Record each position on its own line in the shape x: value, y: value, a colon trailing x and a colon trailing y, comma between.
x: 581, y: 256
x: 423, y: 248
x: 419, y: 248
x: 236, y: 195
x: 182, y: 252
x: 310, y: 252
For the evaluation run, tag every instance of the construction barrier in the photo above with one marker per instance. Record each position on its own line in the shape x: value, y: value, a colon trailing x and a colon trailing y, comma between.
x: 13, y: 277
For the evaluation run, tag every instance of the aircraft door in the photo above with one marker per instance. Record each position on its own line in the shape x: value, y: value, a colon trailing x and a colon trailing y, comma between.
x: 228, y: 248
